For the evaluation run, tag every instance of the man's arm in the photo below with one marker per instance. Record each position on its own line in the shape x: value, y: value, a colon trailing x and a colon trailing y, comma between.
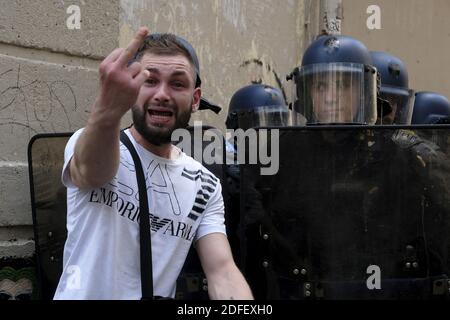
x: 96, y: 156
x: 225, y: 281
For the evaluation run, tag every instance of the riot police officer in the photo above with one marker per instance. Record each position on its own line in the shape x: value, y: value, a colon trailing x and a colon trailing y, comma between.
x: 336, y: 83
x: 431, y: 108
x: 257, y: 105
x: 428, y: 107
x: 394, y: 88
x: 252, y: 106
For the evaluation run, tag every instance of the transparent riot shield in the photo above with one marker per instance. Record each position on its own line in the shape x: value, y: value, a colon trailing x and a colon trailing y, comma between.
x: 48, y: 203
x: 352, y: 213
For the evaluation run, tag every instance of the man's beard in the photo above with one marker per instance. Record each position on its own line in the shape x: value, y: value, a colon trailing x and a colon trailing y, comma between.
x: 158, y: 135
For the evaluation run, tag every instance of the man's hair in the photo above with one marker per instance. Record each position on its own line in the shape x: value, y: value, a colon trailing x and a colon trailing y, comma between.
x: 170, y: 45
x: 164, y: 44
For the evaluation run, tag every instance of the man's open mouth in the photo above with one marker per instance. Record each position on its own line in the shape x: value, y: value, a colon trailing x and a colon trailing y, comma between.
x: 160, y: 116
x: 160, y: 113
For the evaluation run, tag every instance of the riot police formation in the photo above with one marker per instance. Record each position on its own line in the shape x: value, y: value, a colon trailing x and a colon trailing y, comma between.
x: 349, y: 196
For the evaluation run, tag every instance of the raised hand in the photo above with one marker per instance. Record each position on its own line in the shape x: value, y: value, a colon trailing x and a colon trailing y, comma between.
x: 120, y: 83
x: 96, y: 156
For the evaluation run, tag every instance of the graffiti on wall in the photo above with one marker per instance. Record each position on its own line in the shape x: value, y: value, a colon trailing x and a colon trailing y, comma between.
x: 35, y: 105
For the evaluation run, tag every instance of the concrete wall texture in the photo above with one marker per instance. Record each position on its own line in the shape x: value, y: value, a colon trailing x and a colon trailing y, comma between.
x: 417, y: 31
x: 238, y: 42
x: 48, y: 79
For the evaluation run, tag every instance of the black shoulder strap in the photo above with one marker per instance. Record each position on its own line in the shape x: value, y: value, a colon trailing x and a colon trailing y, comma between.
x: 144, y: 223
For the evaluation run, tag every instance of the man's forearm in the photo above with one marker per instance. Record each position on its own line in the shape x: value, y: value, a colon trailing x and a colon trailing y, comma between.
x: 96, y: 157
x: 231, y: 285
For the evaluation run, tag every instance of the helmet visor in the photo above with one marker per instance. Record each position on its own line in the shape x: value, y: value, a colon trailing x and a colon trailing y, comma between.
x: 336, y: 93
x: 402, y: 103
x: 267, y: 116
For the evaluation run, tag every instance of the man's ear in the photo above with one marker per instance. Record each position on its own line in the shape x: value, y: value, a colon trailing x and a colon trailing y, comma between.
x: 196, y: 99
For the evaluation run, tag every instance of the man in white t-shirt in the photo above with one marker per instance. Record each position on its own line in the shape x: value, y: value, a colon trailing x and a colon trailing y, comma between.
x: 161, y: 85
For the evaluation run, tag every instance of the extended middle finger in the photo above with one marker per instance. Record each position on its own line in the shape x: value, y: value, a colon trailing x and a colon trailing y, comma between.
x: 133, y: 47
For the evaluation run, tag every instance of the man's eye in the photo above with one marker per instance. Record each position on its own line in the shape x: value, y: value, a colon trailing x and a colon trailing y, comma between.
x: 178, y: 84
x: 151, y: 81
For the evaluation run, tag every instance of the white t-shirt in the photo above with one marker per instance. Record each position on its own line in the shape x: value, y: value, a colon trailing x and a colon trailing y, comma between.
x: 101, y: 253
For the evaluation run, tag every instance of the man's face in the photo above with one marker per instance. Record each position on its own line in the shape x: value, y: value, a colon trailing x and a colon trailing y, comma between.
x: 335, y: 100
x: 167, y: 98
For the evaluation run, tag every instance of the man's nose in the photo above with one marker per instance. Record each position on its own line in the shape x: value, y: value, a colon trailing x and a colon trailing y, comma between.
x: 162, y: 93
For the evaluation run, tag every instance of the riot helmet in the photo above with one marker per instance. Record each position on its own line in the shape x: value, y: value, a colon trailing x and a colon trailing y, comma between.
x: 394, y: 88
x: 336, y: 83
x: 257, y: 105
x: 430, y: 108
